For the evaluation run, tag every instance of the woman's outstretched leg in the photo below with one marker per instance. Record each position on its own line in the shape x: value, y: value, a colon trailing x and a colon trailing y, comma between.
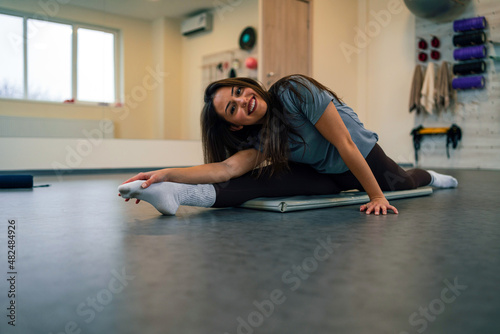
x: 166, y: 197
x: 299, y: 180
x: 391, y: 177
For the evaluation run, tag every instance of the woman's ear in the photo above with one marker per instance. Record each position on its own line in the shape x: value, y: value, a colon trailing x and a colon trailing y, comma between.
x: 236, y: 127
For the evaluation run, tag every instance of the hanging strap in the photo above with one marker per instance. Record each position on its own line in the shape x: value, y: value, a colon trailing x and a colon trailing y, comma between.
x: 453, y: 136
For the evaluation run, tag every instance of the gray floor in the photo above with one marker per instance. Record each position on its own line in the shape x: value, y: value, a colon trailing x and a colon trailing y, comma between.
x: 87, y: 262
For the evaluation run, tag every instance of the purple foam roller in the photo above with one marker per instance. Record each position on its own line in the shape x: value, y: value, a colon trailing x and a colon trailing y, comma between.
x: 468, y: 82
x: 470, y: 52
x: 473, y: 23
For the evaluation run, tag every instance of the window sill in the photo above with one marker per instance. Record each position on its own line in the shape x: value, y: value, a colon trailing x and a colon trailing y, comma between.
x: 76, y: 103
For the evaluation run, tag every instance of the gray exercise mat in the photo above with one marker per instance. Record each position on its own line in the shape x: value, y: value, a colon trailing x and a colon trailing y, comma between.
x: 296, y: 203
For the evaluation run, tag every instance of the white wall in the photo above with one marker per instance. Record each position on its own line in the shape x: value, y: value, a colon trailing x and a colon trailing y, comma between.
x: 63, y: 155
x: 386, y: 64
x: 228, y: 23
x: 385, y: 71
x: 475, y: 111
x: 364, y: 51
x: 166, y: 53
x: 334, y: 23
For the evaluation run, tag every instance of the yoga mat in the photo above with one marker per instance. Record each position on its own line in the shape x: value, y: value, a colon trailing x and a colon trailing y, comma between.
x: 473, y: 67
x: 22, y: 181
x: 297, y: 203
x: 473, y: 23
x: 470, y: 52
x: 16, y: 181
x: 468, y: 82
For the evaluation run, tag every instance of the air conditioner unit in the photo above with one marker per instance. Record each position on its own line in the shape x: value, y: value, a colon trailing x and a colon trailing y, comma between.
x: 198, y: 23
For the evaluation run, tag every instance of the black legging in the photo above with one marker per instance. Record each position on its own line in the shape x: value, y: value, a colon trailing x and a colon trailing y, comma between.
x: 302, y: 179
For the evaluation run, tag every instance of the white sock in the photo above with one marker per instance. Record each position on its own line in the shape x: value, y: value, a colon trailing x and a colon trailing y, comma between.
x: 167, y: 196
x: 442, y: 181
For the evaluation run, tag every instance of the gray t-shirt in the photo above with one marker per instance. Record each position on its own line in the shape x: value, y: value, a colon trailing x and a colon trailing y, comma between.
x: 319, y: 152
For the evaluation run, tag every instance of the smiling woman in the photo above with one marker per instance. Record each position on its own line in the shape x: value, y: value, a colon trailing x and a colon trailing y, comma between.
x: 239, y: 106
x: 312, y: 144
x: 278, y: 121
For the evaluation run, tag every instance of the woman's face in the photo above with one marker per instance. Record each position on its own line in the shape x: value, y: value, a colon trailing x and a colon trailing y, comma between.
x: 239, y: 106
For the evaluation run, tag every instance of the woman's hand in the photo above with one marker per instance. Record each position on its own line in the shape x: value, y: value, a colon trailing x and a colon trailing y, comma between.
x: 332, y: 127
x: 150, y: 177
x: 377, y: 205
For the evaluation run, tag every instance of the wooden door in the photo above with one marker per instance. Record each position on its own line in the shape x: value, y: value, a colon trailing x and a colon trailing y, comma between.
x: 286, y: 39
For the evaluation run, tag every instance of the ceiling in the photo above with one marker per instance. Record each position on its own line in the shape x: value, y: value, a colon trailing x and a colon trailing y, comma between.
x: 150, y: 9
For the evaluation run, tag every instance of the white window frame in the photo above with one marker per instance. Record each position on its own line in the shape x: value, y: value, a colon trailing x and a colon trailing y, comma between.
x: 74, y: 54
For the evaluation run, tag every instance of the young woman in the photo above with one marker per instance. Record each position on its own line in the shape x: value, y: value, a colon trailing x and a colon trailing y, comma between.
x: 298, y: 138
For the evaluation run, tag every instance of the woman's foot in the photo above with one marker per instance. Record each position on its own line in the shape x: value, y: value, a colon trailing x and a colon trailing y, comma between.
x: 166, y: 197
x: 442, y: 180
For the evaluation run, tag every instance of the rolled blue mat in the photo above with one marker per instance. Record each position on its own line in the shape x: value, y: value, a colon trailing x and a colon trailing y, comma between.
x: 470, y: 52
x: 16, y: 181
x: 473, y: 23
x: 468, y: 82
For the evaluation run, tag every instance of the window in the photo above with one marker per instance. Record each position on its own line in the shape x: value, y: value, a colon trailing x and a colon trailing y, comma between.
x: 49, y: 61
x: 59, y: 60
x: 96, y: 71
x: 11, y: 57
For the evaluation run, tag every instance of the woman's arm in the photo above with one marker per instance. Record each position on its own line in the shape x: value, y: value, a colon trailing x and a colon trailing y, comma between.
x: 331, y: 126
x: 236, y: 165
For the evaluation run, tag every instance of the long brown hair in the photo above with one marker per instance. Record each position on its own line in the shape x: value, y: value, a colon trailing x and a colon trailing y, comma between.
x: 273, y: 136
